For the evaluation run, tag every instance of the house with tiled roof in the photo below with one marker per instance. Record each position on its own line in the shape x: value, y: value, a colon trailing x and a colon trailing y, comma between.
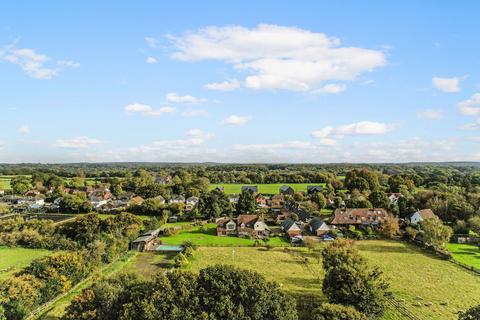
x: 345, y: 217
x: 421, y: 215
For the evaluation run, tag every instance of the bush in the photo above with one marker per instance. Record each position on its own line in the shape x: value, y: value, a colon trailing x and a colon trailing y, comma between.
x: 471, y: 314
x: 180, y: 260
x: 329, y: 311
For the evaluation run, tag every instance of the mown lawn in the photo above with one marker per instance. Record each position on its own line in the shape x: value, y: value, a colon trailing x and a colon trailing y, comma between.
x: 412, y: 274
x: 208, y: 237
x: 14, y: 259
x: 271, y: 188
x: 465, y: 253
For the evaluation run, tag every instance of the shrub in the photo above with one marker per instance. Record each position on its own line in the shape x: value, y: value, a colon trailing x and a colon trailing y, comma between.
x: 328, y: 311
x: 471, y: 314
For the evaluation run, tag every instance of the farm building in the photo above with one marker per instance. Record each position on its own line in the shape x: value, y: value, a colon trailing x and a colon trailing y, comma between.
x: 146, y: 241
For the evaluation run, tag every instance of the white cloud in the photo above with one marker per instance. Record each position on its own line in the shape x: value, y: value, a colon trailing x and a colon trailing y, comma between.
x: 147, y: 110
x: 330, y: 88
x: 68, y: 63
x: 35, y: 65
x: 195, y: 113
x: 472, y: 126
x: 76, y: 143
x: 175, y: 98
x: 329, y: 135
x: 433, y: 114
x: 228, y: 85
x: 151, y: 42
x: 449, y: 85
x: 235, y: 120
x: 24, y: 129
x: 151, y: 60
x: 470, y: 107
x: 278, y: 57
x: 198, y: 134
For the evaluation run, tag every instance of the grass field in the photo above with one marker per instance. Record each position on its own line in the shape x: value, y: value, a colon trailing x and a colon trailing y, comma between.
x: 411, y: 273
x: 4, y: 184
x: 209, y: 237
x: 277, y: 264
x: 271, y: 188
x: 465, y: 253
x: 14, y: 259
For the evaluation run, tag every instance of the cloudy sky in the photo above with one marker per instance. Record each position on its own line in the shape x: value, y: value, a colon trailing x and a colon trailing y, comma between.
x: 278, y: 81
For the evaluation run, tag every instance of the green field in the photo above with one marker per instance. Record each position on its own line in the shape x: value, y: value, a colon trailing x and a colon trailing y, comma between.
x: 283, y: 266
x: 14, y: 259
x: 465, y: 253
x: 4, y: 184
x: 271, y: 188
x: 411, y: 273
x: 209, y: 237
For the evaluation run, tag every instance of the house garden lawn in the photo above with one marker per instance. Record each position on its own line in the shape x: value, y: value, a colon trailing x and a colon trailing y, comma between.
x: 465, y: 253
x: 270, y: 188
x: 208, y: 237
x: 13, y: 259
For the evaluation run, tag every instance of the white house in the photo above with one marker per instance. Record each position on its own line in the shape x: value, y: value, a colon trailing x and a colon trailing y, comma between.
x: 421, y: 215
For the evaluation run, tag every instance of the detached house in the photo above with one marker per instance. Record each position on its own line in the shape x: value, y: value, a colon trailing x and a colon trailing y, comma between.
x: 250, y: 225
x: 359, y: 217
x: 226, y: 227
x: 291, y: 228
x: 421, y: 215
x: 190, y: 203
x: 314, y: 189
x: 178, y: 199
x: 393, y: 197
x: 286, y: 190
x: 318, y: 227
x: 253, y: 189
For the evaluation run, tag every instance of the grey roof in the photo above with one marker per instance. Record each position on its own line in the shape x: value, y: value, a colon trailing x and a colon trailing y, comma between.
x: 287, y: 224
x: 316, y: 223
x: 251, y: 188
x: 285, y: 188
x: 311, y: 189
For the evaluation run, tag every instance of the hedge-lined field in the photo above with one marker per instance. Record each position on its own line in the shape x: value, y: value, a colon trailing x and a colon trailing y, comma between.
x: 465, y: 253
x: 14, y: 259
x: 270, y: 188
x: 411, y: 273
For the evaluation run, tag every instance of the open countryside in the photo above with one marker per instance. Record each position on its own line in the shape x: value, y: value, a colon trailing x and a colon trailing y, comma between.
x: 240, y: 160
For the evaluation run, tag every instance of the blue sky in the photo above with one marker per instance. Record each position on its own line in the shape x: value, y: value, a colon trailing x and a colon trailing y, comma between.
x: 275, y: 81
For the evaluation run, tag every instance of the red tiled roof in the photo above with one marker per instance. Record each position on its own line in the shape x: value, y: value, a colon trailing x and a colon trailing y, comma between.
x: 359, y: 216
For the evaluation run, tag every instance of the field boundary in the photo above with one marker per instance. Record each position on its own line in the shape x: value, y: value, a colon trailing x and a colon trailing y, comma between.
x: 401, y: 309
x: 43, y: 309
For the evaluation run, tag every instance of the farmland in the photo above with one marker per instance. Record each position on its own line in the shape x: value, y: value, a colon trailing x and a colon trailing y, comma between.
x: 466, y: 254
x: 14, y: 259
x: 271, y: 188
x: 411, y: 273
